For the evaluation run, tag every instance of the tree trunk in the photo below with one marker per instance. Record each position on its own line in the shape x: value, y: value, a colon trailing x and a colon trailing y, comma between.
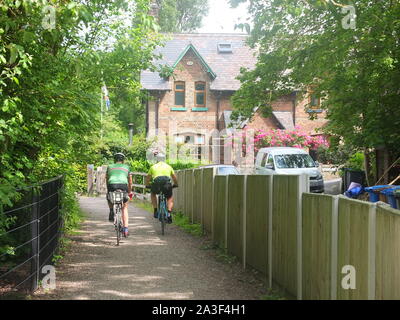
x: 367, y: 165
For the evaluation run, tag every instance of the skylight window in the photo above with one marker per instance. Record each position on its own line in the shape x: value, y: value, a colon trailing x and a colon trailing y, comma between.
x: 224, y: 47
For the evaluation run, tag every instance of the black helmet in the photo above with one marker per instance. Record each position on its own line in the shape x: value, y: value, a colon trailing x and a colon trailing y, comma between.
x: 119, y: 157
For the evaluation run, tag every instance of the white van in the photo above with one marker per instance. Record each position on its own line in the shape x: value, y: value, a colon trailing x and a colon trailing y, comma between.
x: 282, y: 160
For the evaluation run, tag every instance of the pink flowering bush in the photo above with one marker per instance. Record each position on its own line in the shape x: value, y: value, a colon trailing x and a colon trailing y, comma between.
x: 288, y: 138
x: 296, y: 138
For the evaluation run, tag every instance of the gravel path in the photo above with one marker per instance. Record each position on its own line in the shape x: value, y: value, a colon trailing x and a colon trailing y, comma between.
x: 146, y: 265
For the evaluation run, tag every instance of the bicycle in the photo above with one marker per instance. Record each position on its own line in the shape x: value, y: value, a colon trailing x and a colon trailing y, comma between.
x: 117, y: 199
x: 162, y: 209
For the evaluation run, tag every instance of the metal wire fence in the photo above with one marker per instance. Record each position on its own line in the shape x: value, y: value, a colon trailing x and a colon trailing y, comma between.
x: 33, y: 238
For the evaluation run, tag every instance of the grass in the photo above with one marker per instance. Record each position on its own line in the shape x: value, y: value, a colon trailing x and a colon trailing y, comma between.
x: 184, y: 223
x: 273, y: 294
x: 74, y: 224
x: 221, y: 253
x: 179, y: 219
x: 143, y: 205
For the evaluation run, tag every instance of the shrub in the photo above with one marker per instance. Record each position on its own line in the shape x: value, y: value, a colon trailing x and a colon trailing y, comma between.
x: 144, y: 165
x: 279, y: 138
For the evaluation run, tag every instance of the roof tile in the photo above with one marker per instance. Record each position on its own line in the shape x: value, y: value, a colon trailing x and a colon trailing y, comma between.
x: 225, y: 65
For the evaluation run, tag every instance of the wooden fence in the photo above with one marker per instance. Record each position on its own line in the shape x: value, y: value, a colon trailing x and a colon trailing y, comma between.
x: 96, y: 182
x: 311, y: 245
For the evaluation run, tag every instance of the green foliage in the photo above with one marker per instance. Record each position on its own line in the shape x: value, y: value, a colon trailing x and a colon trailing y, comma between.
x: 139, y: 165
x: 273, y: 294
x: 50, y: 90
x: 356, y: 161
x: 336, y: 154
x: 166, y: 71
x: 183, y: 165
x: 181, y: 15
x: 183, y: 222
x: 356, y: 72
x: 144, y: 165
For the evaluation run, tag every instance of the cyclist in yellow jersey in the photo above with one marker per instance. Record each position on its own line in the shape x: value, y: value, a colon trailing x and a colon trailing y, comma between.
x: 159, y: 179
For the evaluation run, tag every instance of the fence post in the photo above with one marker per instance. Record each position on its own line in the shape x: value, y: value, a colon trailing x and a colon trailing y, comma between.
x: 35, y: 230
x: 213, y: 201
x: 244, y: 219
x: 303, y: 186
x: 90, y: 178
x: 226, y: 211
x: 192, y: 195
x: 334, y: 247
x: 201, y: 202
x: 371, y: 251
x: 269, y: 208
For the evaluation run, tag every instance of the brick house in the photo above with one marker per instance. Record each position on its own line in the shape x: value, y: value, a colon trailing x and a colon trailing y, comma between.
x: 193, y: 106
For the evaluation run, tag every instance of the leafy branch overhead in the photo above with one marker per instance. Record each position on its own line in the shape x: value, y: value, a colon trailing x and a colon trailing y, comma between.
x: 166, y: 71
x: 351, y: 59
x: 51, y: 76
x: 181, y: 15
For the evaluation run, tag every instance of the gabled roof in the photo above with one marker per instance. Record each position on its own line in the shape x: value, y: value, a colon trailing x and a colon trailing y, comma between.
x: 285, y: 119
x: 224, y: 67
x: 198, y: 55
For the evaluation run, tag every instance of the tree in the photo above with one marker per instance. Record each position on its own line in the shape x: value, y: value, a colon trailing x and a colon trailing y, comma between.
x: 181, y: 15
x: 351, y: 61
x: 54, y: 59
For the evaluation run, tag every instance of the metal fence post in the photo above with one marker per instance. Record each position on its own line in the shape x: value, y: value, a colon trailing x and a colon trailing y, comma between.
x: 35, y: 241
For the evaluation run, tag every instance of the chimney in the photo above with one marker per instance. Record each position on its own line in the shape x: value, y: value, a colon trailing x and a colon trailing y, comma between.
x: 154, y: 9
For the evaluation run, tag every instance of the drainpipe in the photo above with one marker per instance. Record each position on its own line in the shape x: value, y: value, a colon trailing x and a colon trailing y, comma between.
x: 217, y: 111
x: 157, y: 108
x: 294, y: 102
x: 147, y: 114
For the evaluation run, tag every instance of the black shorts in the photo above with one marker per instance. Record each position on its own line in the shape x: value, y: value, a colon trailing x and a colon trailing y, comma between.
x: 162, y: 185
x: 114, y: 187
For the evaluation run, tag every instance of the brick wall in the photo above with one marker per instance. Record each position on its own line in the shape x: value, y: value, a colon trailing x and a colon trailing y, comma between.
x: 188, y: 120
x: 203, y: 122
x: 303, y: 119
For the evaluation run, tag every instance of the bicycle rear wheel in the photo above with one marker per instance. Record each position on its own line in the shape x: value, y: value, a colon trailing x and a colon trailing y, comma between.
x: 162, y: 224
x: 162, y: 212
x: 118, y: 223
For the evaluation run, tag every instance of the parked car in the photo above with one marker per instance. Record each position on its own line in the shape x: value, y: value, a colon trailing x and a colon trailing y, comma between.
x: 281, y: 160
x: 223, y: 169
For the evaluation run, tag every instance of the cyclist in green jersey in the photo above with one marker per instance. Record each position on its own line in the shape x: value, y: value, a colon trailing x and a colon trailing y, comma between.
x: 118, y: 178
x: 159, y: 179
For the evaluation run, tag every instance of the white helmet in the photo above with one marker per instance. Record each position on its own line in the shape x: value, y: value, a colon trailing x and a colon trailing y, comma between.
x: 159, y: 156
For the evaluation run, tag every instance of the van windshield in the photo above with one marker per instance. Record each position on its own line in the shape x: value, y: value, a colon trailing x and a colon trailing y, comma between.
x: 291, y: 161
x: 227, y: 170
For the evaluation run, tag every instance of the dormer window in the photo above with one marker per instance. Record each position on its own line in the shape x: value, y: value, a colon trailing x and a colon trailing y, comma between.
x: 224, y: 47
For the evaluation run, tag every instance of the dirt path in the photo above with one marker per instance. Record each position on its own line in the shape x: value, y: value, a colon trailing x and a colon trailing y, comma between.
x: 146, y: 265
